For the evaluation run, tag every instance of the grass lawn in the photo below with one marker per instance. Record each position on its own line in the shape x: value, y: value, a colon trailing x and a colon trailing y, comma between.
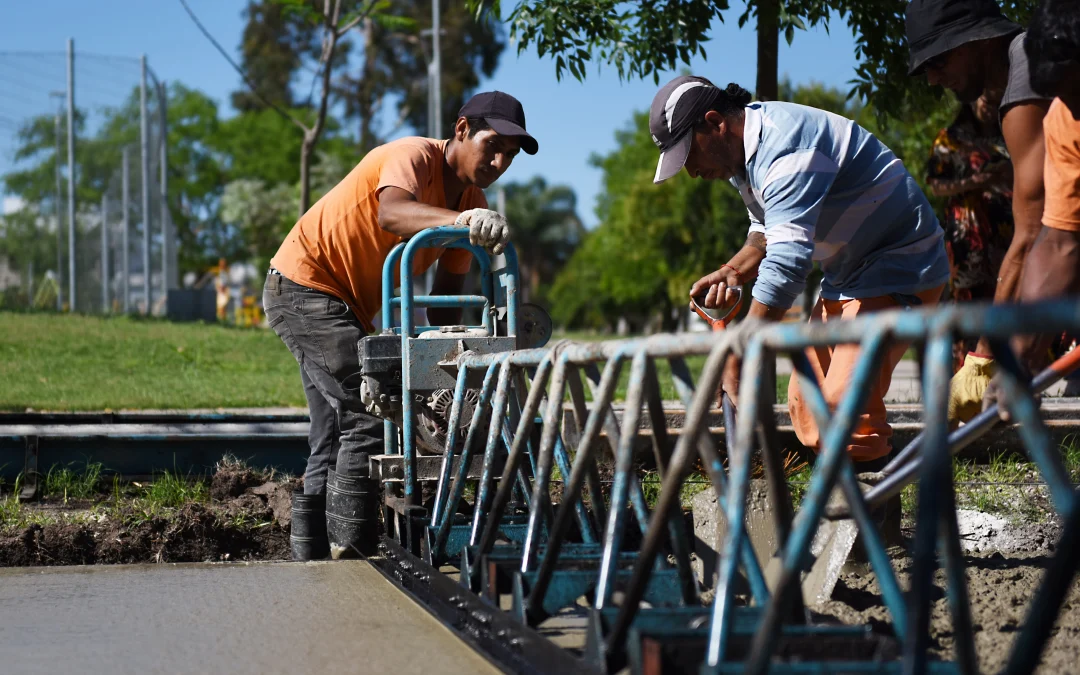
x: 72, y: 362
x: 667, y: 386
x: 663, y: 368
x: 65, y: 362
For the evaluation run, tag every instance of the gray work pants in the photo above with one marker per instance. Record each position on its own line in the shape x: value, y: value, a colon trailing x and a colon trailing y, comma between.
x: 322, y: 333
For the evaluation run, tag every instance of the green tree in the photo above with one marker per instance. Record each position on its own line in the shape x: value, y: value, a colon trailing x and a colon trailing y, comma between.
x: 327, y: 25
x: 652, y: 243
x: 642, y: 37
x: 270, y: 53
x: 385, y: 59
x: 547, y: 229
x: 263, y: 212
x: 28, y: 238
x: 471, y: 47
x: 195, y: 166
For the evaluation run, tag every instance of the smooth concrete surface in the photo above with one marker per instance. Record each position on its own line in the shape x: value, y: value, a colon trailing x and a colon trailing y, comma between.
x: 325, y: 617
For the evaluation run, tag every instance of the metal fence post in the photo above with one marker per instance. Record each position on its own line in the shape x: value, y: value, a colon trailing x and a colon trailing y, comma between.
x: 59, y: 223
x: 144, y: 146
x: 104, y: 253
x: 125, y: 233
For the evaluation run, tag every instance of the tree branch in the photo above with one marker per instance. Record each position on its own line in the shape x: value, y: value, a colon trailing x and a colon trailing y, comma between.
x: 240, y: 71
x: 352, y: 24
x: 403, y: 116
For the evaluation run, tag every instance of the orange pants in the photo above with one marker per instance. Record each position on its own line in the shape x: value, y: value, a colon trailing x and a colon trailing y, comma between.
x: 834, y: 366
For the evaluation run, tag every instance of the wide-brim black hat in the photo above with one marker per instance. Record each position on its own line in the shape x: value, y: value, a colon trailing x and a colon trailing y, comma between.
x: 937, y: 26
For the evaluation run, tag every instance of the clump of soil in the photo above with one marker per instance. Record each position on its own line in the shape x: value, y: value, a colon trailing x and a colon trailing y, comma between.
x: 247, y: 518
x: 233, y: 480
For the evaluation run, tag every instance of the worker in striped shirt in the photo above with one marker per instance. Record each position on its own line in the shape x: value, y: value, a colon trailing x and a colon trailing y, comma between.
x: 818, y: 188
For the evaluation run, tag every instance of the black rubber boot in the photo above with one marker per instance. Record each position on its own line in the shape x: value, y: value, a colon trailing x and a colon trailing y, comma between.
x: 352, y: 515
x: 307, y: 533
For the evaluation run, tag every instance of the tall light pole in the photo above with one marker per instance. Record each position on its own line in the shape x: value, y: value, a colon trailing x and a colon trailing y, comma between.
x: 71, y: 170
x: 144, y: 145
x: 436, y: 69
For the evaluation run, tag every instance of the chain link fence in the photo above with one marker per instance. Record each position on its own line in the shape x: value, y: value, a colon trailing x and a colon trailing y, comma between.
x: 96, y: 262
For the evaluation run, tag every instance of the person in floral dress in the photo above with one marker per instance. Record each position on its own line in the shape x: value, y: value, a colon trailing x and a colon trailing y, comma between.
x: 970, y: 168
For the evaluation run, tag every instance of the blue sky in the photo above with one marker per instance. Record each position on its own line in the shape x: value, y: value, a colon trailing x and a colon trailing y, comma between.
x: 571, y: 120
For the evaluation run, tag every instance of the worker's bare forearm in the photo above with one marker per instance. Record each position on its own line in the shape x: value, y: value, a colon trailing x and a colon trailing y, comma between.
x: 1021, y: 127
x: 749, y: 257
x: 1052, y: 272
x: 1027, y: 225
x: 407, y: 218
x: 759, y: 310
x: 402, y: 215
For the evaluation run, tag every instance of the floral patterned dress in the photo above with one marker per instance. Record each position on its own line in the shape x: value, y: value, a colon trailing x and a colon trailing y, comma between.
x: 978, y: 224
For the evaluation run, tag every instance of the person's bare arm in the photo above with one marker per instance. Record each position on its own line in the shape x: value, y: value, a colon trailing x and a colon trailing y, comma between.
x: 750, y: 256
x: 445, y: 283
x: 737, y: 271
x: 715, y: 287
x: 401, y: 214
x: 941, y: 187
x: 1022, y: 128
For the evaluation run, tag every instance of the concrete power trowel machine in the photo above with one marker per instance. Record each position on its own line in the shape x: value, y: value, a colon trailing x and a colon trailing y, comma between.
x: 410, y: 376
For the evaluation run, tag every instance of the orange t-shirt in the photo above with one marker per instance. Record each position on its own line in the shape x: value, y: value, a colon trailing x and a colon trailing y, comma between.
x: 337, y: 247
x: 1061, y: 171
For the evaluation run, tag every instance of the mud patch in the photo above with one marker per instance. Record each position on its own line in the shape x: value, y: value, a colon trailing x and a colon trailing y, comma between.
x: 248, y: 520
x: 1000, y: 588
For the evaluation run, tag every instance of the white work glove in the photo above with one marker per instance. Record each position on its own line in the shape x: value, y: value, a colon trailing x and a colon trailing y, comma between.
x: 487, y: 228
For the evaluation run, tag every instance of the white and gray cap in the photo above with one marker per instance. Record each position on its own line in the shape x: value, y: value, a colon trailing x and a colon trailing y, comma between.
x: 676, y: 108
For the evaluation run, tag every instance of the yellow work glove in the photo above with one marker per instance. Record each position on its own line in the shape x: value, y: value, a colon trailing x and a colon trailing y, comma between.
x: 968, y: 386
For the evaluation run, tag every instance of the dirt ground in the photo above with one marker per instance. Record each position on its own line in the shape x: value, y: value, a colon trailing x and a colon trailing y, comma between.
x: 1000, y: 587
x: 246, y: 518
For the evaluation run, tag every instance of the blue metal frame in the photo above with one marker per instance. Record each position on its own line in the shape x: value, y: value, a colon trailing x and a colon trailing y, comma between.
x: 405, y: 254
x: 547, y: 566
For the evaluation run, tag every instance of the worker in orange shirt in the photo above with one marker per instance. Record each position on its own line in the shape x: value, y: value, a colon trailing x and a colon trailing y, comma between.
x: 325, y: 286
x: 1053, y: 52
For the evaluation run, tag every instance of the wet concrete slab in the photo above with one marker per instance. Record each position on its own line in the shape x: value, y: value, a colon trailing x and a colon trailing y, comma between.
x: 327, y: 617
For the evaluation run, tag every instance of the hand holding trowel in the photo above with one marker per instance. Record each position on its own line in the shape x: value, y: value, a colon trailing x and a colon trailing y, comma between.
x: 718, y: 318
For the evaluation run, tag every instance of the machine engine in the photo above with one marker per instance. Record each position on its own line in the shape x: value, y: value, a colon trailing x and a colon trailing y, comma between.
x: 381, y: 389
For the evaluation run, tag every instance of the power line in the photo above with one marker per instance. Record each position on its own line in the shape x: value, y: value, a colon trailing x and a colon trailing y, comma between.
x: 25, y: 84
x: 108, y: 73
x: 238, y: 69
x: 56, y: 76
x: 63, y: 55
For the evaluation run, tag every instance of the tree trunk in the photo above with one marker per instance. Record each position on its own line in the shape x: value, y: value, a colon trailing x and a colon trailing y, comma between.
x: 669, y: 319
x: 305, y: 171
x: 311, y: 136
x: 366, y: 104
x: 768, y: 43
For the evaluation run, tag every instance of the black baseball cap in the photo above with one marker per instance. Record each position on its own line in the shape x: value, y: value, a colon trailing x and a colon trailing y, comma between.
x: 676, y: 108
x: 938, y: 26
x: 504, y: 115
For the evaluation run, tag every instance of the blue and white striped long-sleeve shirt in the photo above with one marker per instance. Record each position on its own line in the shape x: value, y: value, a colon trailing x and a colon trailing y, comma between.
x: 820, y: 187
